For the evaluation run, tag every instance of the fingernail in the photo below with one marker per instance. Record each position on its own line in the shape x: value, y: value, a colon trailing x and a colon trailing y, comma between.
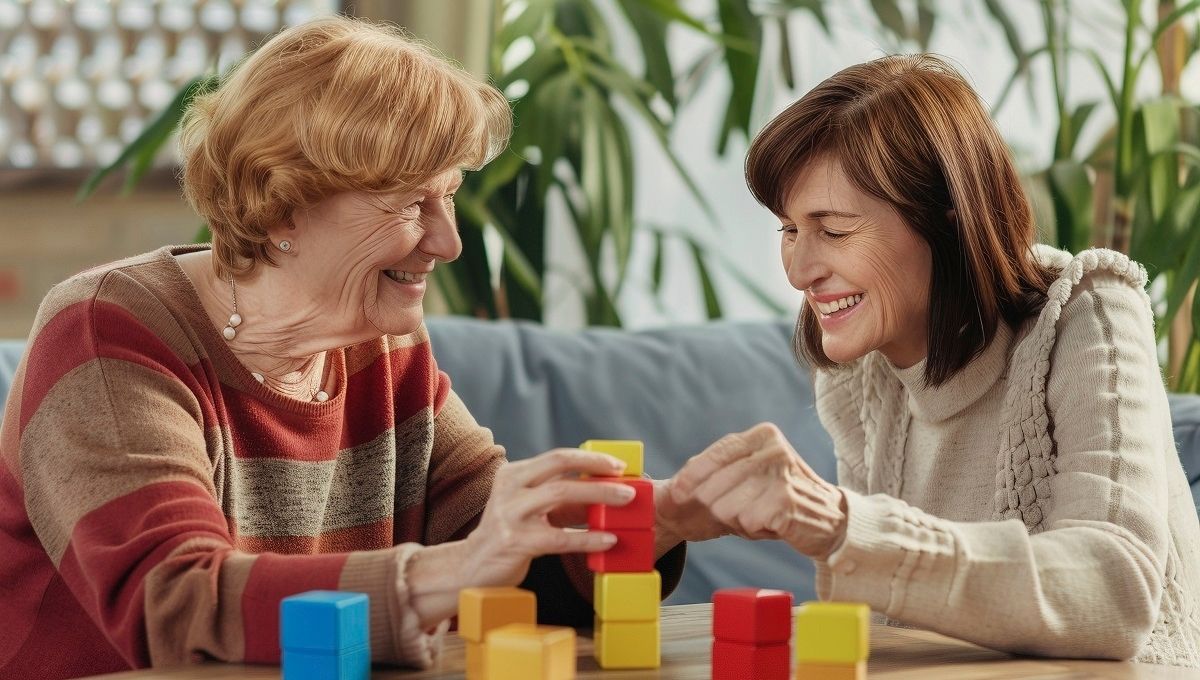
x: 617, y: 463
x: 627, y: 492
x: 608, y: 539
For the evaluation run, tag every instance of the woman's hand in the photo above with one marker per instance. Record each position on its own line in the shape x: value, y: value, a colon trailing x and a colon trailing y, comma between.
x: 530, y: 500
x: 755, y: 484
x: 677, y: 521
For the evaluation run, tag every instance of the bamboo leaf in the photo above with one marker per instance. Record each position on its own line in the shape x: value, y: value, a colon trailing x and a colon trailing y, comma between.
x: 889, y: 14
x: 739, y: 21
x: 141, y: 151
x: 1071, y: 192
x: 926, y: 20
x: 514, y: 257
x: 1079, y: 118
x: 1180, y: 284
x: 651, y: 29
x: 785, y: 53
x: 712, y: 305
x: 656, y: 269
x: 670, y: 10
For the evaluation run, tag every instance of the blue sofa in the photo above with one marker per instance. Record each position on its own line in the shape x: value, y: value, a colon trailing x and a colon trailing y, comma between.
x: 677, y: 389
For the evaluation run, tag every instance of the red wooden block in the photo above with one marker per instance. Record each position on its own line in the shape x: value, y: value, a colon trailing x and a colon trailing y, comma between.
x: 752, y: 615
x: 740, y: 660
x: 637, y: 514
x: 634, y: 552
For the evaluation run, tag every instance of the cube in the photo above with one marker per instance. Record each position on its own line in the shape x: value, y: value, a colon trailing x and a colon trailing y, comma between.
x: 738, y: 660
x: 626, y: 644
x: 832, y: 633
x: 633, y: 551
x: 637, y: 514
x: 627, y: 450
x: 830, y: 671
x: 326, y: 621
x: 752, y: 615
x: 354, y: 664
x: 526, y: 652
x: 475, y: 653
x: 483, y: 609
x: 627, y: 596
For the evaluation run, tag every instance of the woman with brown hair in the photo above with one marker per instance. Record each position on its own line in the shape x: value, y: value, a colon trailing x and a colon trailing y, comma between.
x: 1007, y: 472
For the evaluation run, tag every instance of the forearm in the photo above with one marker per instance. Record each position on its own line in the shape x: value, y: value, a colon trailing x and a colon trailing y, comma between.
x: 1079, y: 590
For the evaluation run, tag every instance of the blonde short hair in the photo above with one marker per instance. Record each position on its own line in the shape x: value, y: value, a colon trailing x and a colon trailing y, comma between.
x: 332, y: 105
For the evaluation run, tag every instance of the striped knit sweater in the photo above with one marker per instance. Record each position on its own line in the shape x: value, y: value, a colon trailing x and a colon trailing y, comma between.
x: 157, y: 502
x: 1036, y: 502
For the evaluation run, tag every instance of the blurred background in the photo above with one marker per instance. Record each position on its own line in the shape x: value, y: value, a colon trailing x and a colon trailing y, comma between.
x: 621, y: 200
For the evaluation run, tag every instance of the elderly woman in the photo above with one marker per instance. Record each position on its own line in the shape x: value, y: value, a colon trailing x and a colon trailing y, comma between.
x: 1006, y: 466
x: 196, y: 433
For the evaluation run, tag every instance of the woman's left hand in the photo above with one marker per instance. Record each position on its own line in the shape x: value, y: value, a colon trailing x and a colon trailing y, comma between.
x: 754, y: 483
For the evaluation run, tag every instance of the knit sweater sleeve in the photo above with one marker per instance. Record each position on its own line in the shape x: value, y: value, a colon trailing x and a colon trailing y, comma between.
x: 123, y: 496
x: 1090, y: 584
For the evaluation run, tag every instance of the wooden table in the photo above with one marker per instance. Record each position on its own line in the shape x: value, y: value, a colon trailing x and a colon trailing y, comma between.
x: 896, y: 654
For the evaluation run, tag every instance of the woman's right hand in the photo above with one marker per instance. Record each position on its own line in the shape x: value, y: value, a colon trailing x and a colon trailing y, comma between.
x: 518, y: 523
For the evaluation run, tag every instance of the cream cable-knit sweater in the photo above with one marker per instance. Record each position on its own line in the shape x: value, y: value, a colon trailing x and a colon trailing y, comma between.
x: 1035, y: 503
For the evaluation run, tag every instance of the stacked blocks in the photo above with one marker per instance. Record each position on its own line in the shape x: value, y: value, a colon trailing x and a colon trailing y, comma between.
x: 752, y: 629
x: 520, y: 651
x: 325, y: 635
x: 832, y: 641
x: 482, y: 610
x: 627, y: 588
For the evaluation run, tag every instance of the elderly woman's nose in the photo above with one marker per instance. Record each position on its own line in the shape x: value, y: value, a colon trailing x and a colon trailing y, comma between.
x: 441, y: 236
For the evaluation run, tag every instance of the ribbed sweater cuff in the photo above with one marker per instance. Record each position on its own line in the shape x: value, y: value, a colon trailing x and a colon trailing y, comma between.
x: 864, y: 568
x: 396, y: 634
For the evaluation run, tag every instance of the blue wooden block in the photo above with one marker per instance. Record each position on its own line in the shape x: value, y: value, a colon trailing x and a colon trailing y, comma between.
x: 324, y: 621
x: 354, y: 664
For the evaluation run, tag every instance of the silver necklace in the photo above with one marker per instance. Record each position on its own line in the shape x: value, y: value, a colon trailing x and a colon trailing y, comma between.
x: 230, y: 332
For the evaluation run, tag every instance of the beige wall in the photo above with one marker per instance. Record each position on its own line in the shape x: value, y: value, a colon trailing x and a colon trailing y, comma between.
x: 46, y: 237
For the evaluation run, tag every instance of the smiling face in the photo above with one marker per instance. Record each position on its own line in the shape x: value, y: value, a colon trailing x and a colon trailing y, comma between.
x: 864, y: 273
x: 364, y: 257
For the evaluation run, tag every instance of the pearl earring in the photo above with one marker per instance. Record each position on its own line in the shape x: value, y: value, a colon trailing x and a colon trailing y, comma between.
x: 285, y: 246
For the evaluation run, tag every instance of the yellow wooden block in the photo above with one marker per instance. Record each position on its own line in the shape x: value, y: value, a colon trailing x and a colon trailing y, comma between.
x: 523, y: 652
x: 475, y: 658
x: 831, y: 671
x: 626, y: 644
x: 482, y: 609
x: 632, y: 596
x: 832, y: 632
x: 629, y: 451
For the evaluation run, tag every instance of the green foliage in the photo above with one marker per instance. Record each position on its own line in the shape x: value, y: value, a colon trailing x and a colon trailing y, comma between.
x: 1138, y: 189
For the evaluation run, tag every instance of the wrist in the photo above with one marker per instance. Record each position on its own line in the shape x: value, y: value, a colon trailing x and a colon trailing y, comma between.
x: 434, y: 577
x: 840, y: 522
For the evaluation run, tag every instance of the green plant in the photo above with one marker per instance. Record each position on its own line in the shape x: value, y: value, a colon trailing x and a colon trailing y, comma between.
x: 1137, y: 189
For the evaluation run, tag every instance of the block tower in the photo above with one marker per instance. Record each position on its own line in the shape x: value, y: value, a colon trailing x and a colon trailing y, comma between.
x: 832, y: 641
x: 482, y: 610
x: 627, y: 587
x: 324, y: 634
x: 752, y: 631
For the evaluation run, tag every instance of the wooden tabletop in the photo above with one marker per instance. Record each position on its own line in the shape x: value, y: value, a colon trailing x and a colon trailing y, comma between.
x: 896, y: 654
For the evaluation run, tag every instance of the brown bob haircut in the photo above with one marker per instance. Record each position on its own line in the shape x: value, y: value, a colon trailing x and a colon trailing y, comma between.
x: 332, y: 105
x: 910, y: 131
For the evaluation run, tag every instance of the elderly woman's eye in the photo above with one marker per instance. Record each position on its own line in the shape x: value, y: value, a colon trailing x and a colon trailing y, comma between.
x: 788, y: 229
x: 835, y: 235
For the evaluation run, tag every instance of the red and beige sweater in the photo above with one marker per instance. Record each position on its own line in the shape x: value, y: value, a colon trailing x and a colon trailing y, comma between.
x: 157, y: 502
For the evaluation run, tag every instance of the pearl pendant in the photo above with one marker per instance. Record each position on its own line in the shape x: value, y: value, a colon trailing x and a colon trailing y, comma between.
x: 257, y: 376
x: 321, y: 396
x: 235, y: 320
x: 229, y: 333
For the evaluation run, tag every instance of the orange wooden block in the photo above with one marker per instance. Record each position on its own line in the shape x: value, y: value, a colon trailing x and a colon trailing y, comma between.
x: 482, y: 609
x: 476, y: 653
x: 524, y: 652
x: 831, y: 671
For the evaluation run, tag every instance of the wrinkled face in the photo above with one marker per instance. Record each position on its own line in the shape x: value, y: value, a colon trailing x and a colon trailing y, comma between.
x: 366, y: 256
x: 864, y: 273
